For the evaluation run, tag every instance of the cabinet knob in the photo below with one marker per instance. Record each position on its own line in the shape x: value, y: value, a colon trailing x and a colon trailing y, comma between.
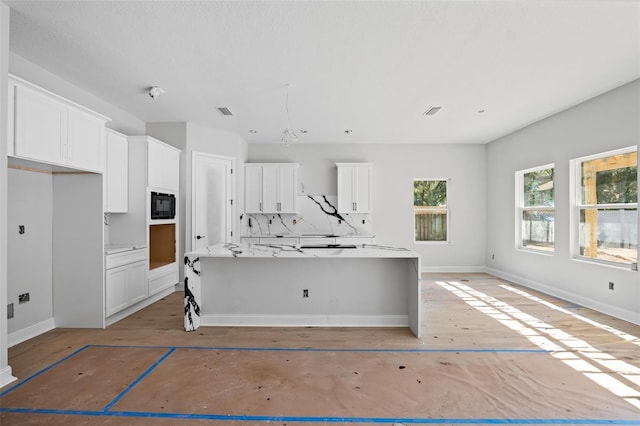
x: 199, y: 237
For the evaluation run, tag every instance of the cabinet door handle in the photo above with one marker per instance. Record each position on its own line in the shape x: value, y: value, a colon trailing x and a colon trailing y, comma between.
x: 356, y: 206
x: 260, y: 207
x: 279, y: 206
x: 199, y: 237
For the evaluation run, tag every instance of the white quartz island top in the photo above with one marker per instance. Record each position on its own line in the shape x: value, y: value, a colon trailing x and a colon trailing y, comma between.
x: 289, y: 250
x: 289, y: 285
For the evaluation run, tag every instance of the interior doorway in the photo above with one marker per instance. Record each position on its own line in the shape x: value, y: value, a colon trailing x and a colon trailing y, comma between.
x: 212, y: 199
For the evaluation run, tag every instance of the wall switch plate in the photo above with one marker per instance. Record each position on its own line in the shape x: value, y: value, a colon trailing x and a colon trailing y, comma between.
x: 23, y: 298
x: 20, y: 229
x: 611, y: 285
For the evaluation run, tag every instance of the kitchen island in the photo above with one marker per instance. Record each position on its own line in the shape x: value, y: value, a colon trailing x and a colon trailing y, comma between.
x: 335, y: 285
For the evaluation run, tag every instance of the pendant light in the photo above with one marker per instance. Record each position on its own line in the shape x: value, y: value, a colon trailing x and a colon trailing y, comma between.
x: 288, y: 135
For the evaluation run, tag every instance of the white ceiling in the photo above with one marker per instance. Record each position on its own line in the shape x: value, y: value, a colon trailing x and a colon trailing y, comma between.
x: 373, y: 67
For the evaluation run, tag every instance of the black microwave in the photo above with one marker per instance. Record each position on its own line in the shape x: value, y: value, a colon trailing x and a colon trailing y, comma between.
x: 163, y: 206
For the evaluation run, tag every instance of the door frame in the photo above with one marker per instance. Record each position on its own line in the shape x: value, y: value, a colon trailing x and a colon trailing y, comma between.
x: 231, y: 225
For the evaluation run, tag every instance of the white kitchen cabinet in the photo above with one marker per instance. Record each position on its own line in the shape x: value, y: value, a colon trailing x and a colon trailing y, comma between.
x: 50, y: 129
x: 271, y: 188
x: 163, y: 165
x: 354, y: 187
x: 85, y: 140
x: 117, y: 173
x: 149, y: 158
x: 125, y: 280
x: 116, y: 290
x: 253, y: 189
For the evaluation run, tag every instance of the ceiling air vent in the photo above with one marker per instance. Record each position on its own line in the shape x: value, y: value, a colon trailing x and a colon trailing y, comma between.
x: 225, y: 111
x: 432, y: 110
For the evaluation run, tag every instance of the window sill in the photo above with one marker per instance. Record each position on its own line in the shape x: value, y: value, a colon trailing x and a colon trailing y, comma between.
x: 432, y: 243
x: 534, y: 251
x: 620, y: 267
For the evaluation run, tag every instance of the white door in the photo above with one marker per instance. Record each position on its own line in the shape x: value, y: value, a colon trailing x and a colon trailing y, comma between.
x: 211, y: 202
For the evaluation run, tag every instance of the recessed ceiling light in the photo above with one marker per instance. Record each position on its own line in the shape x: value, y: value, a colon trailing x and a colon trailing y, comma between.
x: 432, y: 110
x: 225, y: 111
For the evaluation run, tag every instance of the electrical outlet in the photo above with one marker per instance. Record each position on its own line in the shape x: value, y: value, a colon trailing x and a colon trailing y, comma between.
x: 493, y: 257
x: 10, y: 311
x: 610, y: 285
x: 305, y: 293
x: 23, y: 298
x: 20, y: 229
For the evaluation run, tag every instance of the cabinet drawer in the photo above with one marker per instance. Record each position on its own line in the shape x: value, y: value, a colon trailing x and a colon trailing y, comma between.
x: 163, y: 278
x: 124, y: 258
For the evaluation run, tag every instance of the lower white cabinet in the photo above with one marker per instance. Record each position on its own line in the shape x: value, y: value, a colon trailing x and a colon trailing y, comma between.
x: 163, y: 277
x: 126, y: 280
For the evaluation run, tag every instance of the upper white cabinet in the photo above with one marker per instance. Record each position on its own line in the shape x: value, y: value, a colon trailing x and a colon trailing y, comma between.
x: 50, y: 129
x: 271, y: 187
x: 117, y: 173
x: 354, y: 187
x: 163, y: 165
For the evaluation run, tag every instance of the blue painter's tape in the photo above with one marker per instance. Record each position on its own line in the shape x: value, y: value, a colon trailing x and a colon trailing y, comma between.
x: 379, y: 420
x: 276, y: 349
x: 44, y: 370
x: 138, y: 380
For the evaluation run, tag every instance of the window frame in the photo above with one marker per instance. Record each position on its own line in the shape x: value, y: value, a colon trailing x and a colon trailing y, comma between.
x: 520, y: 208
x: 446, y: 209
x: 577, y: 206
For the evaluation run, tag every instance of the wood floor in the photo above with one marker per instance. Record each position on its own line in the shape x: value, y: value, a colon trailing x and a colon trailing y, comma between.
x: 492, y: 353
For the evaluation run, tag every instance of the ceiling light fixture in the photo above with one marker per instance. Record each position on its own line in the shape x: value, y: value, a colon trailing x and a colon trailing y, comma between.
x: 225, y: 111
x: 288, y: 135
x: 155, y: 91
x: 432, y: 110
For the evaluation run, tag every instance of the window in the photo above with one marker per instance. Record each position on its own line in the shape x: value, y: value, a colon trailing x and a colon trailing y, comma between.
x: 535, y: 221
x: 606, y: 207
x: 430, y: 210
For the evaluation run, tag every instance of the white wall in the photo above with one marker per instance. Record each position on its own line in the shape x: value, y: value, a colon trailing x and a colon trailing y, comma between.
x: 395, y: 168
x: 190, y: 137
x: 607, y: 122
x: 30, y: 203
x: 5, y: 370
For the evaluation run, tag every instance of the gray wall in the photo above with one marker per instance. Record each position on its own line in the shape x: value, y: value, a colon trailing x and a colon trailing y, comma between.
x: 30, y: 203
x: 395, y: 167
x: 5, y: 369
x: 608, y: 122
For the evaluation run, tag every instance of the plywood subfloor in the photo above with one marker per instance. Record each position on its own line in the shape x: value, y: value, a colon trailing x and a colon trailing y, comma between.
x: 493, y: 353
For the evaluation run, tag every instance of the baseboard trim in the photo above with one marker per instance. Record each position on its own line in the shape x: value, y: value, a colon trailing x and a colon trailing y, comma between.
x: 604, y: 308
x: 30, y: 332
x: 6, y: 377
x: 452, y: 269
x: 305, y: 320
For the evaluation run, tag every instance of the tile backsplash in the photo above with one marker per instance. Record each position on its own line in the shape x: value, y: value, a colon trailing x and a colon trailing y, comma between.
x: 317, y: 214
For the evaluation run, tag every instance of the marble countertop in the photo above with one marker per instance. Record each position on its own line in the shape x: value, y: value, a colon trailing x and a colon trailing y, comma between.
x: 119, y: 248
x: 289, y: 251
